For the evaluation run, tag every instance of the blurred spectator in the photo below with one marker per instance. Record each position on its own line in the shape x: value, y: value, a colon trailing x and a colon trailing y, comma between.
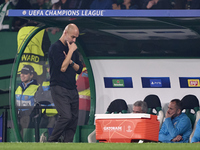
x: 195, y: 4
x: 116, y: 4
x: 5, y: 21
x: 12, y: 23
x: 68, y: 4
x: 101, y: 4
x: 22, y: 4
x: 130, y: 4
x: 42, y: 4
x: 83, y: 87
x: 62, y: 4
x: 1, y: 2
x: 180, y: 4
x: 53, y: 30
x: 84, y: 4
x: 19, y: 22
x: 48, y: 3
x: 74, y: 4
x: 156, y: 4
x: 126, y: 4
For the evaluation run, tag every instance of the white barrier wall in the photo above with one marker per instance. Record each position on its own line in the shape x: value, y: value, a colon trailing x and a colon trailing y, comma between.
x: 137, y: 68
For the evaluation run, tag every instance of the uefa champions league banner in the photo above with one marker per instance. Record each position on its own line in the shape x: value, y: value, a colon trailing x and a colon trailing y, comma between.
x: 104, y: 13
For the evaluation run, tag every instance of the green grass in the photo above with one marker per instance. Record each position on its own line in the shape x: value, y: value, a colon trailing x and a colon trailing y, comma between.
x: 99, y: 146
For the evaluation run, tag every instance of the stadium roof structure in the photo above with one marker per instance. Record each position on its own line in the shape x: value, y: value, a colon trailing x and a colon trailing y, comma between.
x: 128, y: 33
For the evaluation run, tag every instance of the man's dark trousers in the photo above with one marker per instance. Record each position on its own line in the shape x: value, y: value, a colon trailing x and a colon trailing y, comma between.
x: 67, y: 104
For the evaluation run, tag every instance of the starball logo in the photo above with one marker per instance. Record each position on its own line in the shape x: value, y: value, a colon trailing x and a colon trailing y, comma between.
x: 193, y: 83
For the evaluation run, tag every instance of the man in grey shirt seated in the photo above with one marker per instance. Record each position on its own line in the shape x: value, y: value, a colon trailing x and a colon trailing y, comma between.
x: 140, y: 107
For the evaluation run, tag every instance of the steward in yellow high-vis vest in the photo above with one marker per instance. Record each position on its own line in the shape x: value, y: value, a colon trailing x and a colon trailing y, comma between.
x: 36, y: 52
x: 25, y: 95
x: 28, y: 87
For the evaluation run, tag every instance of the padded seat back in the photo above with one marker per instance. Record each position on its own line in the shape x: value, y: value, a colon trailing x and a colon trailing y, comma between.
x: 189, y: 103
x: 195, y: 123
x: 153, y: 103
x: 117, y: 106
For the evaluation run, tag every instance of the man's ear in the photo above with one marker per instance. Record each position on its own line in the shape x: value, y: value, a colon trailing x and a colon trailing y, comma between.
x: 179, y: 111
x: 31, y: 76
x: 65, y: 32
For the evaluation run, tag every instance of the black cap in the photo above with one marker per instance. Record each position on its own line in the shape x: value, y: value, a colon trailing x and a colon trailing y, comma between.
x: 27, y: 69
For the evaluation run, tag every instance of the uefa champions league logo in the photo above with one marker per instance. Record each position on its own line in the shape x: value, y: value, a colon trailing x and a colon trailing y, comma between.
x: 24, y: 12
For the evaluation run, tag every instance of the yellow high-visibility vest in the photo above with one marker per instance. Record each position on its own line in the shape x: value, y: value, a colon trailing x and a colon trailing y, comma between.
x: 26, y: 98
x: 33, y: 54
x: 49, y: 112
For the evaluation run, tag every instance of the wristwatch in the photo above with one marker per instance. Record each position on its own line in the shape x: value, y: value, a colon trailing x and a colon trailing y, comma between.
x: 72, y: 64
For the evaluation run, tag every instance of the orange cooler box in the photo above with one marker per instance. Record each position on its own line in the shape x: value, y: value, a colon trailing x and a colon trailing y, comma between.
x: 126, y: 128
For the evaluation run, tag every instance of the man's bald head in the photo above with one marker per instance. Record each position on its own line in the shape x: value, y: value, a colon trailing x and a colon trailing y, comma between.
x: 70, y: 33
x: 71, y: 27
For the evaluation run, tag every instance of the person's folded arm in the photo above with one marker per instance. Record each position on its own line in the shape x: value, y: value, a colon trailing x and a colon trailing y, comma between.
x: 182, y: 126
x: 164, y: 135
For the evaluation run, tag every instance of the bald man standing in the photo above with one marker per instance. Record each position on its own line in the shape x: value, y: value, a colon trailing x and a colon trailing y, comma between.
x: 64, y: 64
